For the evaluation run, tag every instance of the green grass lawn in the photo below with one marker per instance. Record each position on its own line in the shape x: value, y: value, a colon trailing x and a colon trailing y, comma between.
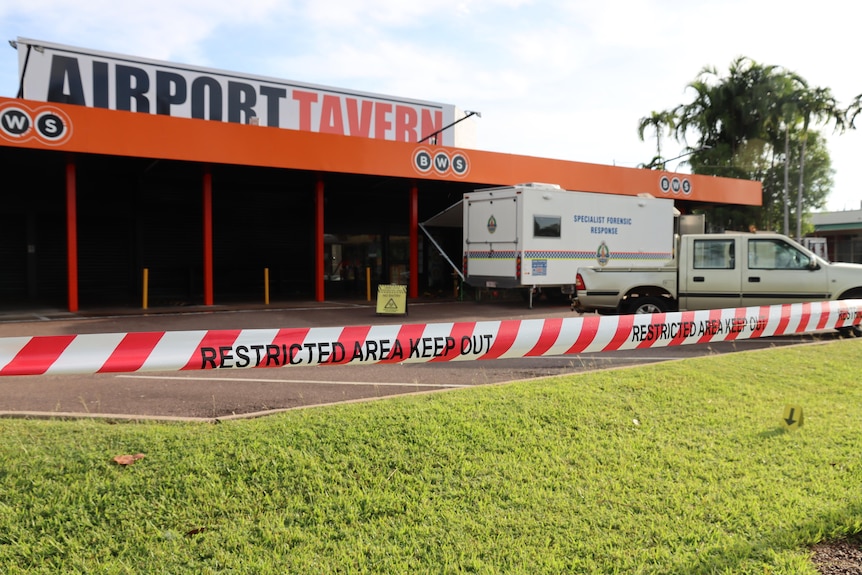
x: 684, y: 467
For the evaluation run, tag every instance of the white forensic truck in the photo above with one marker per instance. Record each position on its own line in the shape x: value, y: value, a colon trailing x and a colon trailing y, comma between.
x: 535, y: 236
x: 711, y: 271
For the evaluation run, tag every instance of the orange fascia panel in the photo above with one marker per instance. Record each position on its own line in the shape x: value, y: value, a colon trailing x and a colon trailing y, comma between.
x: 100, y: 131
x: 584, y: 177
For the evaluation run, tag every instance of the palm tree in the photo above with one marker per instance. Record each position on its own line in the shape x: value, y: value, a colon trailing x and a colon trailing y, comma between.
x: 853, y: 110
x: 788, y: 90
x: 814, y: 106
x: 742, y: 120
x: 659, y: 122
x: 730, y: 115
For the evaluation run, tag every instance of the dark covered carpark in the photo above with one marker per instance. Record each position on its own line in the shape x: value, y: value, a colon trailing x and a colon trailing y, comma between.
x: 136, y: 214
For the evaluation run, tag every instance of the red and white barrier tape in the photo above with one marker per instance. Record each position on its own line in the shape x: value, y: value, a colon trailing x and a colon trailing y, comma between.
x: 410, y: 343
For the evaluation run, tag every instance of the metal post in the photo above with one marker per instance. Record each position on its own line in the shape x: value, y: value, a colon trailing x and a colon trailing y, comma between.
x: 319, y: 244
x: 208, y: 235
x: 72, y: 233
x: 146, y: 288
x: 413, y: 279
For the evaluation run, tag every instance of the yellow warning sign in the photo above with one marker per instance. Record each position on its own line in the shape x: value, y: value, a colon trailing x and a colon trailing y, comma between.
x: 392, y: 299
x: 793, y: 417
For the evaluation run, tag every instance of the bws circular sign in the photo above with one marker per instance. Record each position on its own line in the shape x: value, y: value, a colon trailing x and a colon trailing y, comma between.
x: 45, y: 124
x: 441, y: 162
x: 674, y: 185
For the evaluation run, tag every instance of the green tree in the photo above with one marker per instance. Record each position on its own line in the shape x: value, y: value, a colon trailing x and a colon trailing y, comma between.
x: 817, y: 179
x: 660, y: 123
x: 755, y: 123
x: 818, y: 106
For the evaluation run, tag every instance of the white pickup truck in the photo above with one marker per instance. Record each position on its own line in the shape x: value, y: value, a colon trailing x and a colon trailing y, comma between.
x: 712, y: 271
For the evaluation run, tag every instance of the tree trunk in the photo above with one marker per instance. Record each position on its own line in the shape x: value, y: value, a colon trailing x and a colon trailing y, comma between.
x: 801, y: 186
x: 786, y: 186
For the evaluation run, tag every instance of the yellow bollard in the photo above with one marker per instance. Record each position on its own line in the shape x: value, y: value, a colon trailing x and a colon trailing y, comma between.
x: 368, y: 282
x: 146, y: 285
x: 266, y: 286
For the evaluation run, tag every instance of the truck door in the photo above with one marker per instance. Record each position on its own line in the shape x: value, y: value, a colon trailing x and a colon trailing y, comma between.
x: 779, y: 272
x: 491, y: 237
x: 710, y: 275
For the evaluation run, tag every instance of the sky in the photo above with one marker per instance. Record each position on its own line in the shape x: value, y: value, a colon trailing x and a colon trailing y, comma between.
x: 565, y: 79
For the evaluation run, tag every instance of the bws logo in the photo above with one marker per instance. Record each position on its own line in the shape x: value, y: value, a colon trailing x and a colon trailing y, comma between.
x: 46, y: 124
x: 441, y: 162
x: 675, y: 185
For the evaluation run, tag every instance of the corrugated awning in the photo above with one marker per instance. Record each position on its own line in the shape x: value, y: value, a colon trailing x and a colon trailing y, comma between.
x: 838, y: 227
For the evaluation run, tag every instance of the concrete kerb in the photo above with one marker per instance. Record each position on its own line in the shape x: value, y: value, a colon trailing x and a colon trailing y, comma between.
x: 116, y: 417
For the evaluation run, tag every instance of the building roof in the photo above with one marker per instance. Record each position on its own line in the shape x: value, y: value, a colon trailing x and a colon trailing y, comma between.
x: 837, y: 227
x: 846, y: 220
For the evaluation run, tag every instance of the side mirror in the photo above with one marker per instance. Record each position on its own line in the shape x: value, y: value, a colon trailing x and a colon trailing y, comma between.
x: 813, y: 265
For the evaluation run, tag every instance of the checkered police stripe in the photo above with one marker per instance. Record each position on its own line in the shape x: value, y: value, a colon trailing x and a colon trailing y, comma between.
x: 410, y: 343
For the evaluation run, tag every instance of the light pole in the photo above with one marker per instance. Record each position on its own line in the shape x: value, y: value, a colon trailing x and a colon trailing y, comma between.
x: 467, y: 114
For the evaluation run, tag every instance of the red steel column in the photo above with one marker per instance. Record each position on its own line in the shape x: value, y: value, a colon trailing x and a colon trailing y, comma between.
x: 208, y: 234
x: 319, y: 294
x: 413, y: 289
x: 72, y: 233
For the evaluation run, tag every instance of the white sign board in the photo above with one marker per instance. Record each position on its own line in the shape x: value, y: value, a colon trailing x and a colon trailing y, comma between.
x: 68, y: 75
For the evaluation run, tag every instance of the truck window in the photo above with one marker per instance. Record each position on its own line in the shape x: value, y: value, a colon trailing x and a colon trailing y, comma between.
x: 717, y: 254
x: 774, y: 254
x: 546, y: 226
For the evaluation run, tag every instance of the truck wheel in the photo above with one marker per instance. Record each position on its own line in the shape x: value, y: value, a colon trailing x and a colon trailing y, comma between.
x: 647, y: 305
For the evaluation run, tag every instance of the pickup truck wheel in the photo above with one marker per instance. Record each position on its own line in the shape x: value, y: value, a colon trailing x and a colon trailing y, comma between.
x: 647, y: 305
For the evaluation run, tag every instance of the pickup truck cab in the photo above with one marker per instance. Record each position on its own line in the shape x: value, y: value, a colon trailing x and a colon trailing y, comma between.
x: 719, y: 271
